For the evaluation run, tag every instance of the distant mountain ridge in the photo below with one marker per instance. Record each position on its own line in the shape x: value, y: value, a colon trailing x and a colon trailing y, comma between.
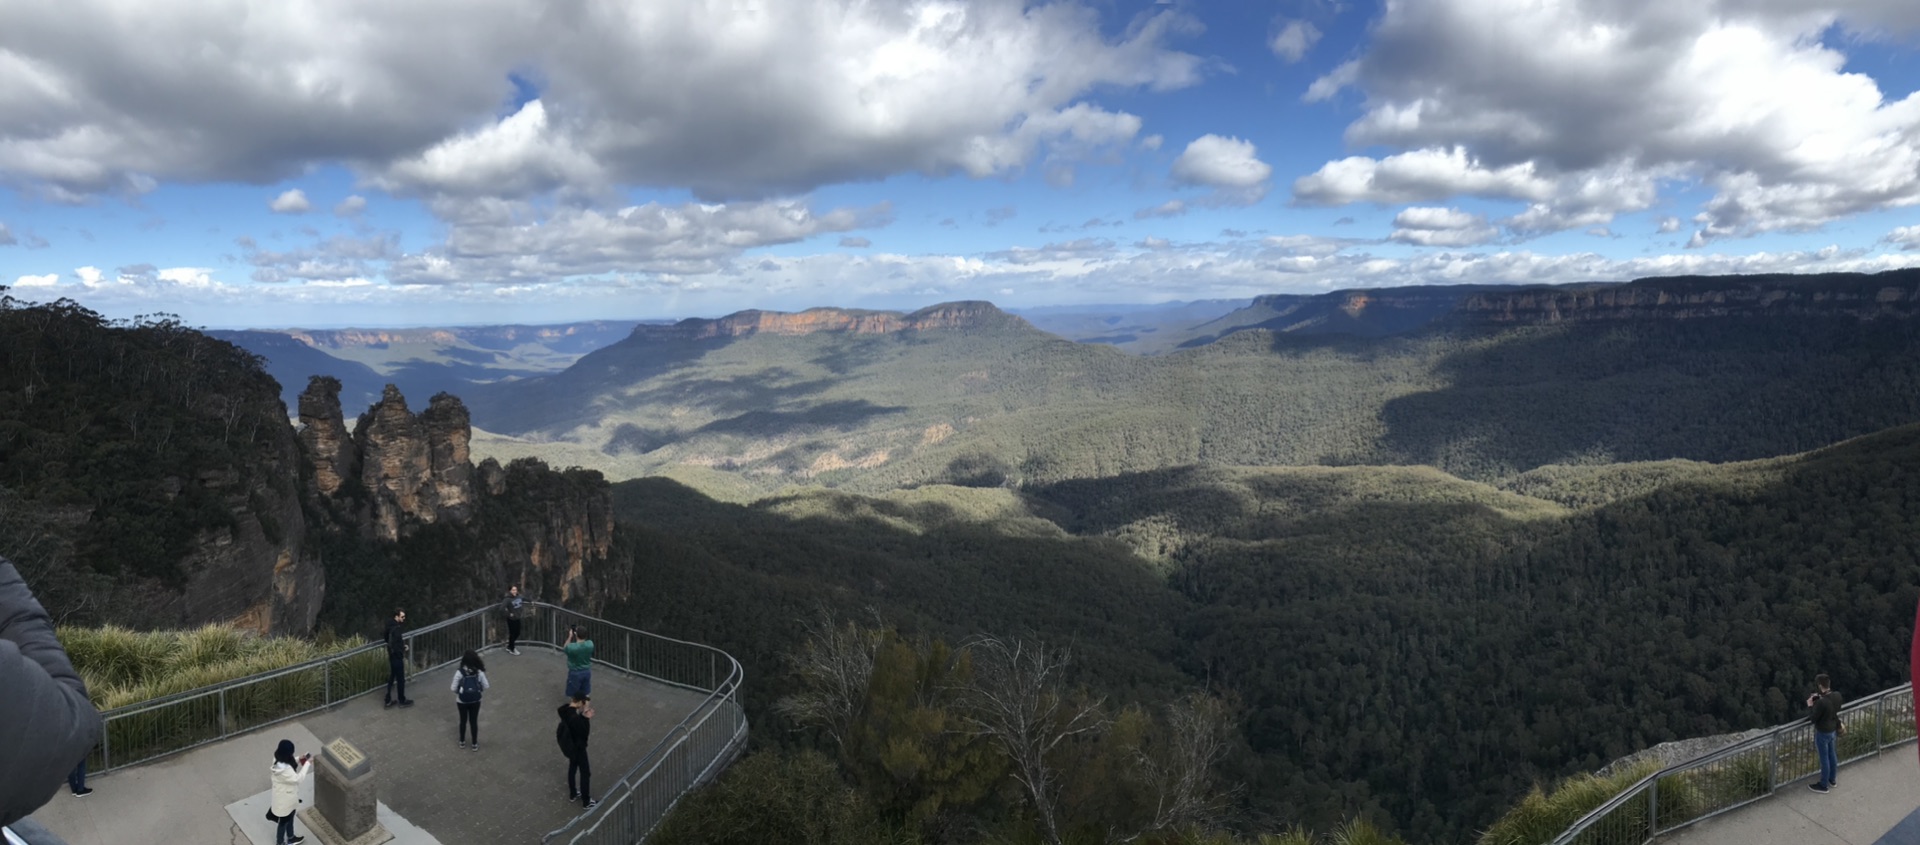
x: 948, y: 315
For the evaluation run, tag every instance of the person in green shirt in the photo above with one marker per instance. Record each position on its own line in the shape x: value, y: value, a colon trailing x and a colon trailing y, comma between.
x: 579, y: 663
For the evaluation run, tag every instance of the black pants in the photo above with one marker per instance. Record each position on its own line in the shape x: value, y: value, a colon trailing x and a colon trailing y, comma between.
x: 513, y: 633
x: 469, y: 714
x: 578, y: 763
x: 396, y: 676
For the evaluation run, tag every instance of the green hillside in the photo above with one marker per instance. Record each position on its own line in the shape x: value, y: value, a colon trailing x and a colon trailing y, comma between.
x: 1008, y: 404
x: 1404, y: 645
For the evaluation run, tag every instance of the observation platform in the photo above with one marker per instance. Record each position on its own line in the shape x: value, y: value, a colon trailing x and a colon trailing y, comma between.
x: 513, y: 790
x: 1877, y: 802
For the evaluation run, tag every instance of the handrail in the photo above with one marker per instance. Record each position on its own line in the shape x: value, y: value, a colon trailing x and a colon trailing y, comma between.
x: 1747, y: 771
x: 171, y: 724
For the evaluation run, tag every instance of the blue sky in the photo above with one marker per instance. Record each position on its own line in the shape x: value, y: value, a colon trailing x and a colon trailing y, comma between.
x: 301, y: 164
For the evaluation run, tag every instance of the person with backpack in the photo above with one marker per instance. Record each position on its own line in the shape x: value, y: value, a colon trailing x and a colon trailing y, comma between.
x: 397, y: 645
x: 575, y: 726
x: 469, y: 681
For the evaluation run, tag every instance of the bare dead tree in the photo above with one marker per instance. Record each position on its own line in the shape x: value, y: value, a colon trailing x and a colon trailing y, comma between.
x: 1178, y: 771
x: 834, y: 667
x: 1020, y: 699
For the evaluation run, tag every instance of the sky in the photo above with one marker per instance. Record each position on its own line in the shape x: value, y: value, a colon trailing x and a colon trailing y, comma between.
x: 327, y: 163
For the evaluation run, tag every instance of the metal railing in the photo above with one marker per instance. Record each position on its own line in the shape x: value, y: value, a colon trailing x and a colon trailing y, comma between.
x: 694, y: 750
x: 1740, y: 774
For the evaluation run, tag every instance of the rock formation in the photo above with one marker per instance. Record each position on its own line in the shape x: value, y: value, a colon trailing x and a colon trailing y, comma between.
x: 323, y: 431
x: 414, y: 467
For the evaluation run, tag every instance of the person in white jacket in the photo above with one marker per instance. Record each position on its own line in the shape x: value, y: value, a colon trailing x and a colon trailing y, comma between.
x: 469, y: 681
x: 287, y: 773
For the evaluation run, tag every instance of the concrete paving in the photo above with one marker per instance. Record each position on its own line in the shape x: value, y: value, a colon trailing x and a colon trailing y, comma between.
x: 513, y: 790
x: 1877, y: 802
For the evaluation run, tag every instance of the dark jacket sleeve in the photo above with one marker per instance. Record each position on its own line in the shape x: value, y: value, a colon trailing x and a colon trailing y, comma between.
x: 47, y: 725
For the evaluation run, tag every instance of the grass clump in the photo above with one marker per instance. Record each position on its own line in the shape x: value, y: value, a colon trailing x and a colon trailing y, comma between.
x: 124, y: 667
x: 1542, y: 815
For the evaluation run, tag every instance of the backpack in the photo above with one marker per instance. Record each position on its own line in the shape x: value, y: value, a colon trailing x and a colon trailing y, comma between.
x: 469, y: 688
x: 564, y: 736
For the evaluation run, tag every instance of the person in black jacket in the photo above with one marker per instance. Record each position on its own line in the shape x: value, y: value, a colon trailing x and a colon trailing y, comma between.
x: 397, y: 659
x: 47, y: 725
x: 1823, y: 709
x: 575, y: 726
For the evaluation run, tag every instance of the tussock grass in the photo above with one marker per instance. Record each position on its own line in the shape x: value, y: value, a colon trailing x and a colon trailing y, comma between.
x: 1543, y: 815
x: 123, y: 667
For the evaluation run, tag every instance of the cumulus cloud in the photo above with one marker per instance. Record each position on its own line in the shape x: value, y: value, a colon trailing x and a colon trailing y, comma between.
x: 855, y: 242
x: 292, y: 201
x: 767, y: 99
x: 1293, y: 40
x: 1594, y: 103
x: 500, y: 242
x: 1669, y: 225
x: 1152, y: 142
x: 1425, y: 226
x: 46, y: 281
x: 1228, y: 165
x: 331, y: 259
x: 351, y: 206
x: 1905, y: 237
x: 1170, y: 208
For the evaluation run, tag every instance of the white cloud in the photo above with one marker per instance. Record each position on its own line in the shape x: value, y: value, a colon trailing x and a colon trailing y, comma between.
x: 1170, y: 208
x: 1426, y: 226
x: 1603, y: 100
x: 351, y: 206
x: 292, y: 201
x: 46, y: 281
x: 1152, y: 142
x: 1669, y: 225
x: 764, y: 99
x: 1293, y: 40
x: 855, y: 242
x: 1905, y: 237
x: 1419, y: 176
x: 1230, y: 166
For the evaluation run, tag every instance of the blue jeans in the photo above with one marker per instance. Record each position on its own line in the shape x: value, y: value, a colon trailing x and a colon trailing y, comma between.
x: 284, y: 833
x: 77, y: 779
x: 579, y: 681
x: 1829, y: 759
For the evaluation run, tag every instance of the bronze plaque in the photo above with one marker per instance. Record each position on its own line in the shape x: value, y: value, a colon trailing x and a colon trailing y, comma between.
x: 347, y: 758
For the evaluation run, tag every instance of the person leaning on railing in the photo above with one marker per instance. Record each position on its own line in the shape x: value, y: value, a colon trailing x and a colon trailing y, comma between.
x: 47, y: 725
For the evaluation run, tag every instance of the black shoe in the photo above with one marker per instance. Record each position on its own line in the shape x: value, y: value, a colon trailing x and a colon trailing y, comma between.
x: 589, y: 804
x: 462, y: 743
x: 407, y: 703
x: 388, y: 704
x: 83, y: 792
x: 1818, y: 787
x: 476, y: 745
x: 296, y: 840
x: 572, y: 795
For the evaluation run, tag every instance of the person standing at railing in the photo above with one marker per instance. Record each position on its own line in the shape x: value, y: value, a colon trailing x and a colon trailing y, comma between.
x: 575, y: 726
x: 512, y: 607
x: 469, y: 681
x: 579, y: 651
x: 47, y: 725
x: 397, y: 659
x: 1823, y: 709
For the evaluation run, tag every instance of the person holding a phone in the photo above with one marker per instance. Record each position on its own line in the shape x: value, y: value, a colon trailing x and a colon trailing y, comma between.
x: 286, y: 775
x: 579, y: 651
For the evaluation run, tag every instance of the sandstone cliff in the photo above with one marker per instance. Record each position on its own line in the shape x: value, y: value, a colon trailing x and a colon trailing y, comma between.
x: 950, y: 315
x: 1894, y: 294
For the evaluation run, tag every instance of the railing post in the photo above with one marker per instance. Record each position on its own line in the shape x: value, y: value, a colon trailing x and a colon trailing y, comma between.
x: 1879, y: 722
x: 326, y: 691
x: 628, y: 660
x: 223, y: 711
x: 1653, y: 809
x: 106, y: 745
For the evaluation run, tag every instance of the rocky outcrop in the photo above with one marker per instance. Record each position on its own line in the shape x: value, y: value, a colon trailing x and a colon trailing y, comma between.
x: 950, y: 315
x: 549, y: 531
x: 414, y: 467
x: 323, y: 431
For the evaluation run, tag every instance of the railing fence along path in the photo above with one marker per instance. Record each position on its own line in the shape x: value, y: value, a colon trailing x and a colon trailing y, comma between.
x: 703, y: 743
x: 1740, y: 774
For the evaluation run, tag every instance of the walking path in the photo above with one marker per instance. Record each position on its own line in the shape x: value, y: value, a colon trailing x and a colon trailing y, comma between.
x: 1877, y: 802
x: 512, y: 790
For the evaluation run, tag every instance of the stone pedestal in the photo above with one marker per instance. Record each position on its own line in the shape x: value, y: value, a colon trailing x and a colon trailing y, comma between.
x: 345, y: 799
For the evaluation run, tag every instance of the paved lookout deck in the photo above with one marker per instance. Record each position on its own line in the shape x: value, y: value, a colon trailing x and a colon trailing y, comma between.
x: 512, y: 790
x: 1877, y: 802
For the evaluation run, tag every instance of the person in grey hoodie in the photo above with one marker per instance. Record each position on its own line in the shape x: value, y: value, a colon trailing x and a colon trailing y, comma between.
x: 513, y: 607
x: 47, y: 725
